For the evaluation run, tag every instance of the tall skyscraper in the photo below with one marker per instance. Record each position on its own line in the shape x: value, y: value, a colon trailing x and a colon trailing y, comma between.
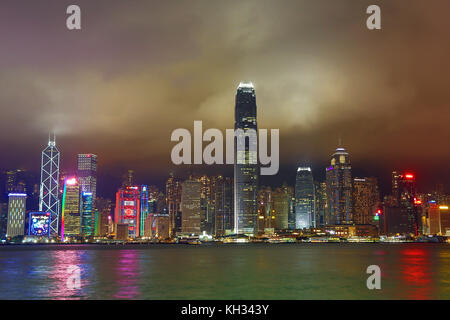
x: 191, y: 207
x: 127, y: 209
x: 87, y: 174
x: 304, y: 199
x: 246, y: 174
x: 224, y: 206
x: 365, y: 200
x: 280, y: 208
x: 49, y: 192
x: 87, y: 214
x: 405, y: 199
x: 266, y: 219
x: 322, y: 212
x: 173, y: 202
x: 70, y: 217
x: 339, y: 187
x: 207, y: 203
x: 16, y: 214
x: 144, y: 210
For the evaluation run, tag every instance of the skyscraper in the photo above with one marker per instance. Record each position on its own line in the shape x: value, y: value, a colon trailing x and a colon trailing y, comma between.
x: 266, y: 219
x: 224, y: 206
x: 245, y: 161
x: 339, y: 187
x: 405, y: 197
x: 280, y: 208
x: 127, y: 209
x: 173, y: 202
x: 365, y: 200
x: 87, y: 174
x: 70, y: 217
x: 191, y: 207
x: 144, y: 210
x: 304, y: 199
x: 322, y: 212
x: 87, y: 215
x: 16, y: 214
x: 49, y: 194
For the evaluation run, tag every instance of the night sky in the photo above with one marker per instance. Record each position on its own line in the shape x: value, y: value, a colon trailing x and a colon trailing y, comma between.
x: 140, y: 69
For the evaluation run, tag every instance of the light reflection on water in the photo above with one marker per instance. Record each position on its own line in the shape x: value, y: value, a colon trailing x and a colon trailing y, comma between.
x: 127, y: 274
x: 291, y: 271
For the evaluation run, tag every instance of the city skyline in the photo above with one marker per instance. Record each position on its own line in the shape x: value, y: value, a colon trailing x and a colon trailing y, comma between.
x: 219, y: 158
x: 357, y: 85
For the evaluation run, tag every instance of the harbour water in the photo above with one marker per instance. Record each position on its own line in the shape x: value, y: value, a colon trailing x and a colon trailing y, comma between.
x: 227, y: 271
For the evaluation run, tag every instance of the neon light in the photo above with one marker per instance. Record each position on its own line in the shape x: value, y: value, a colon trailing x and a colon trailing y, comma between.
x: 17, y: 195
x: 443, y: 207
x: 409, y: 176
x: 39, y: 224
x: 62, y: 213
x: 71, y: 181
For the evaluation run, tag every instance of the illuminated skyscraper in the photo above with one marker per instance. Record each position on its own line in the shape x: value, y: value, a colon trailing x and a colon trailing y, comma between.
x: 304, y: 199
x: 87, y: 215
x: 191, y: 207
x: 127, y: 209
x: 87, y: 173
x: 173, y: 202
x: 280, y: 207
x: 266, y: 219
x: 49, y: 195
x: 144, y: 210
x: 16, y: 214
x: 246, y: 174
x: 365, y: 200
x: 322, y: 212
x: 70, y: 217
x: 405, y: 199
x: 224, y: 206
x: 208, y: 185
x: 339, y: 187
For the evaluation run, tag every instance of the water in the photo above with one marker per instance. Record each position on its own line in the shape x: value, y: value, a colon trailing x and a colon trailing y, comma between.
x: 248, y: 271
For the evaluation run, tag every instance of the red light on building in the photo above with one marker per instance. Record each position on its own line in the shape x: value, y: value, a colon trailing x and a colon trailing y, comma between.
x: 417, y: 201
x: 409, y: 176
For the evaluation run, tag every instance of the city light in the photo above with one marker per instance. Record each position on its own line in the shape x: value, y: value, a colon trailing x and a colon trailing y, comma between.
x: 71, y: 181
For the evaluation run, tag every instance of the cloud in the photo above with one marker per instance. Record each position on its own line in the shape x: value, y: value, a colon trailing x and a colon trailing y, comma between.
x: 140, y: 69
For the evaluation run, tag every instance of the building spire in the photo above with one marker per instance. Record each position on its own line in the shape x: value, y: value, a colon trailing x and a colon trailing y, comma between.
x: 50, y: 141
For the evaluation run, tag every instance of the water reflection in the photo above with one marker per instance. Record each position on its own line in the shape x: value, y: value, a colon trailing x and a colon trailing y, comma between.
x: 416, y: 273
x: 62, y: 262
x: 127, y: 275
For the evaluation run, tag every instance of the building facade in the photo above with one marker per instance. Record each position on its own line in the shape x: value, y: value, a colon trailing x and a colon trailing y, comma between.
x: 339, y: 187
x: 191, y: 207
x: 49, y: 187
x: 366, y: 200
x: 304, y: 199
x: 87, y: 214
x: 245, y: 161
x: 16, y: 214
x: 127, y: 209
x: 70, y: 217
